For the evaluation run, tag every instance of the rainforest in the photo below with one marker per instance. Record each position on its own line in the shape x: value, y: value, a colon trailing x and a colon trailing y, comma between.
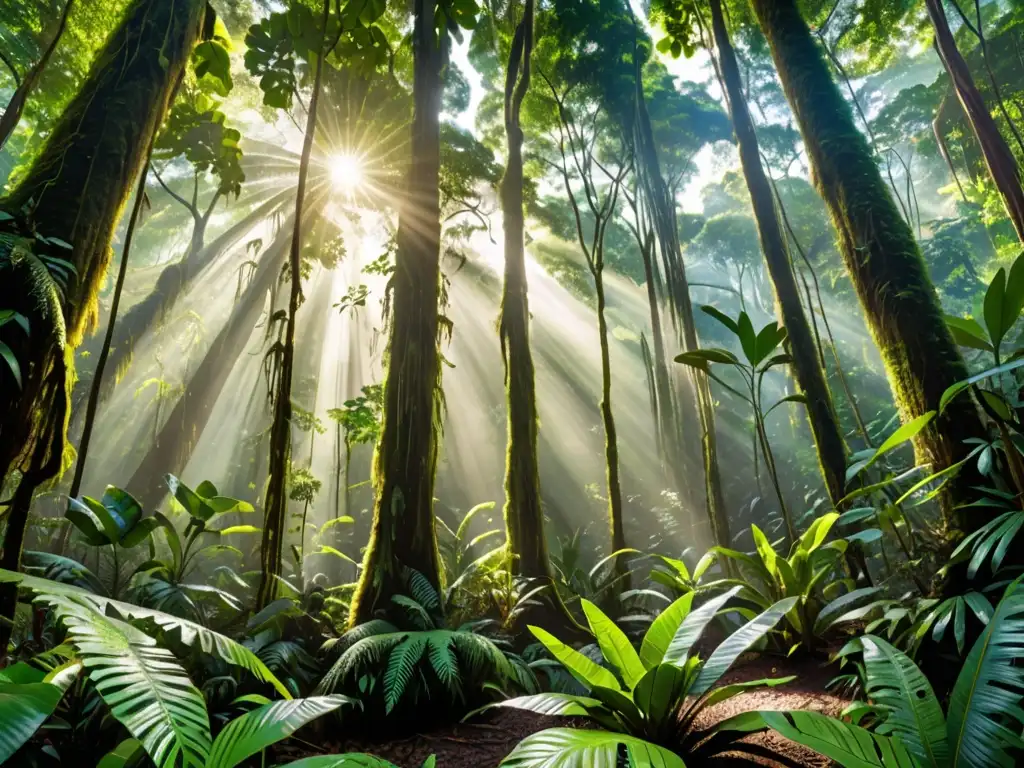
x: 519, y: 383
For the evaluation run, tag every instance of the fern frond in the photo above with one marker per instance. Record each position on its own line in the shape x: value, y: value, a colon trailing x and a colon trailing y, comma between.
x: 442, y: 659
x: 368, y: 652
x: 422, y: 590
x: 415, y: 611
x: 401, y: 665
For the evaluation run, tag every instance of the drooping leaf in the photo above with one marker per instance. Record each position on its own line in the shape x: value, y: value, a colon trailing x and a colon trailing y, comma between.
x: 615, y: 646
x: 577, y: 748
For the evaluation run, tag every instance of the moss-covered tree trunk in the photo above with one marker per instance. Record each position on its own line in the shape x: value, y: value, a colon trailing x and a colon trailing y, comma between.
x: 878, y: 248
x: 75, y: 191
x: 1002, y: 165
x: 403, y: 534
x: 524, y: 516
x: 806, y: 366
x: 276, y: 498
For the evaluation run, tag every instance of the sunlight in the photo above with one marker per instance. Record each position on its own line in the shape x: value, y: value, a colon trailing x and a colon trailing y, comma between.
x: 346, y: 172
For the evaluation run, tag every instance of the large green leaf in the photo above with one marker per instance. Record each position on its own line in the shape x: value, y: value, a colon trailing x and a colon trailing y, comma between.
x: 912, y: 712
x: 190, y: 633
x: 967, y: 332
x: 550, y: 704
x: 579, y: 666
x: 577, y: 748
x: 832, y: 612
x: 658, y: 692
x: 255, y: 731
x: 985, y: 717
x: 693, y: 626
x: 737, y: 643
x: 849, y: 745
x: 663, y: 629
x: 24, y: 707
x: 615, y: 646
x: 83, y: 516
x: 955, y: 389
x: 123, y: 509
x: 144, y: 686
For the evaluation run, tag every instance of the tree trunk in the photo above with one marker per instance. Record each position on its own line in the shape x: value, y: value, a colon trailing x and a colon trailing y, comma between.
x: 524, y: 515
x: 1002, y: 165
x: 403, y: 533
x: 276, y: 500
x: 611, y: 440
x: 879, y: 250
x: 12, y: 114
x: 662, y: 207
x: 75, y: 191
x: 801, y: 345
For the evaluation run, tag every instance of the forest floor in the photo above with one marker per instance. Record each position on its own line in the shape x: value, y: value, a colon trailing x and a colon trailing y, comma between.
x: 493, y: 735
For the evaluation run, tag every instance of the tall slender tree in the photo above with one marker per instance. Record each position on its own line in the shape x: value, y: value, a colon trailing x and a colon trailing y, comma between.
x: 276, y: 498
x: 801, y: 344
x: 405, y: 462
x: 524, y: 516
x: 1001, y: 162
x: 66, y: 209
x: 878, y: 248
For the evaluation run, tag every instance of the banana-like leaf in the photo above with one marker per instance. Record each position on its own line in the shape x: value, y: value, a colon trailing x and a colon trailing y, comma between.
x: 913, y: 713
x: 839, y: 607
x: 548, y: 704
x: 577, y: 748
x: 693, y: 626
x: 663, y: 629
x: 255, y: 731
x: 737, y: 643
x: 190, y: 633
x: 615, y: 646
x: 985, y: 717
x: 143, y: 684
x: 24, y: 707
x: 849, y: 745
x: 120, y: 755
x: 578, y: 665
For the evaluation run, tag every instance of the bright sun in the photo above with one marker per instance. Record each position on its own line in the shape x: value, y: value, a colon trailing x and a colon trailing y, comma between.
x: 346, y: 172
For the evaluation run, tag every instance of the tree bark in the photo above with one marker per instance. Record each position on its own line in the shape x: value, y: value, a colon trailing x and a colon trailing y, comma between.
x: 879, y: 250
x: 403, y: 534
x: 75, y: 191
x: 16, y: 106
x: 805, y: 365
x: 1002, y: 165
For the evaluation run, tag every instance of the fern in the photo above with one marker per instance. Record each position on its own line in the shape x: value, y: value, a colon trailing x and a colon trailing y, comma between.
x: 415, y: 611
x: 422, y: 591
x: 443, y: 661
x: 401, y: 665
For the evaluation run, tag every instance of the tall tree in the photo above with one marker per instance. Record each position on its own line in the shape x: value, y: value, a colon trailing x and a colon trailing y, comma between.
x: 524, y: 516
x: 276, y: 497
x: 61, y: 217
x: 403, y: 533
x: 878, y: 248
x: 801, y: 344
x: 579, y: 138
x: 1002, y: 165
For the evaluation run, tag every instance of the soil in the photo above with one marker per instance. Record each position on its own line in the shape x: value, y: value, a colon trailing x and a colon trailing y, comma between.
x: 491, y: 736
